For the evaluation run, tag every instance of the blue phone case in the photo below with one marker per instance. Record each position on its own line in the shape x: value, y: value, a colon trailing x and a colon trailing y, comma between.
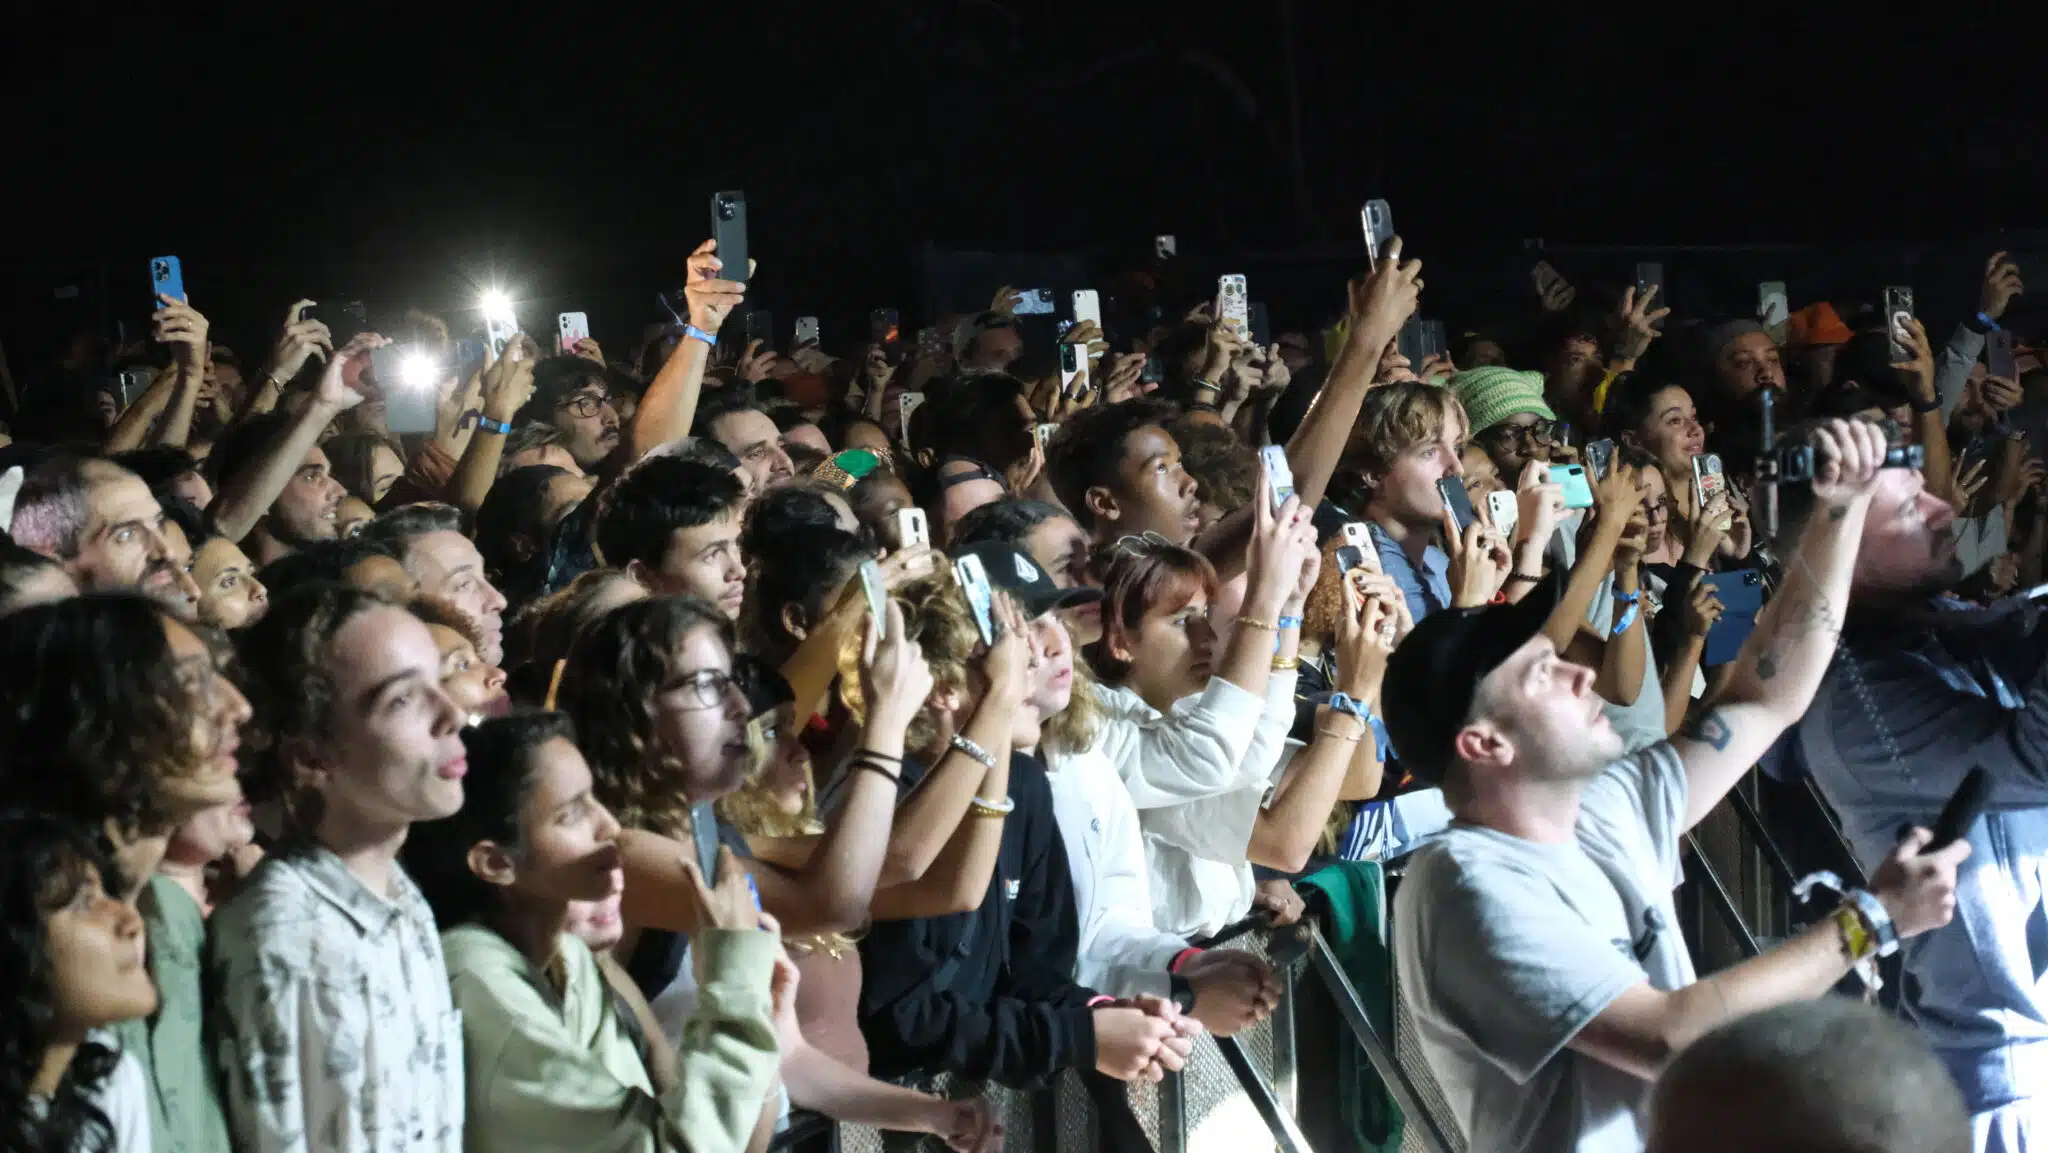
x: 1578, y: 493
x: 1742, y: 597
x: 166, y: 278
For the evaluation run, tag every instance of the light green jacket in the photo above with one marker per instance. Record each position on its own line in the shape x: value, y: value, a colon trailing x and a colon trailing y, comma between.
x: 559, y: 1074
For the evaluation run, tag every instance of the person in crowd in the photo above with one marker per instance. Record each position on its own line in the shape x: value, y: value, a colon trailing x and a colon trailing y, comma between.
x: 1536, y: 940
x: 365, y: 563
x: 515, y: 525
x: 1226, y: 470
x: 1507, y: 416
x: 102, y: 524
x: 1119, y: 473
x: 364, y: 464
x: 120, y: 719
x: 544, y: 631
x: 1924, y: 690
x: 1824, y: 1076
x: 476, y: 687
x: 792, y: 581
x: 30, y: 578
x: 428, y: 540
x: 335, y: 1028
x: 987, y: 342
x: 546, y: 1060
x: 734, y: 419
x: 872, y: 488
x: 572, y: 398
x: 1055, y: 542
x: 674, y: 525
x: 229, y: 594
x: 1660, y: 419
x: 73, y: 962
x: 169, y: 471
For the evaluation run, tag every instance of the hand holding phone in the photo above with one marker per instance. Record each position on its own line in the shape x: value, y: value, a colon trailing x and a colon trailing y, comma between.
x: 571, y: 329
x: 912, y: 530
x: 166, y: 278
x: 974, y: 584
x: 877, y: 592
x: 1274, y: 458
x: 729, y: 230
x: 1376, y: 220
x: 1458, y: 503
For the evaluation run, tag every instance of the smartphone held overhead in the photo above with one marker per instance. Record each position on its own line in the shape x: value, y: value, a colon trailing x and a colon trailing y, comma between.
x: 729, y: 231
x: 571, y: 329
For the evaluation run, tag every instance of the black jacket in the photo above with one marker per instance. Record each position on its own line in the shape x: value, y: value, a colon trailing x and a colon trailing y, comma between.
x: 988, y: 995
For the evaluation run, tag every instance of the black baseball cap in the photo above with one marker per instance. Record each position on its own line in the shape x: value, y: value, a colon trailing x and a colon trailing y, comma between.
x: 1435, y: 672
x: 1013, y: 571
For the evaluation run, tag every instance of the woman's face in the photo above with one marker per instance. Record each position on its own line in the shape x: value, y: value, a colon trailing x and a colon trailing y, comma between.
x: 351, y: 516
x: 216, y: 711
x: 476, y: 687
x: 1481, y: 477
x: 1172, y: 651
x: 570, y: 846
x: 385, y: 469
x: 879, y: 500
x: 786, y: 772
x: 213, y: 834
x: 95, y: 947
x: 1052, y: 687
x: 1673, y: 433
x: 230, y: 596
x: 700, y: 718
x: 596, y: 923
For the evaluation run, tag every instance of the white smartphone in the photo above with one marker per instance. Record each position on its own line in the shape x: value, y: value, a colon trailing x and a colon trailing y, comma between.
x: 1707, y: 480
x: 1503, y: 511
x: 1165, y: 246
x: 911, y: 528
x: 974, y: 582
x: 877, y: 592
x: 1035, y: 302
x: 1044, y: 433
x: 500, y: 326
x: 806, y: 330
x: 1358, y: 537
x: 1376, y: 220
x: 1274, y: 457
x: 1087, y: 306
x: 1773, y: 306
x: 1233, y: 307
x: 570, y: 327
x: 906, y: 403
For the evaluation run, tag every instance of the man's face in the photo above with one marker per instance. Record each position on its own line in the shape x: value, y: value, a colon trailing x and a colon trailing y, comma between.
x: 753, y: 438
x: 309, y: 508
x: 1908, y: 541
x: 124, y: 546
x: 1154, y: 493
x: 448, y: 566
x: 995, y: 350
x: 1516, y: 441
x: 704, y: 561
x: 393, y: 755
x: 1063, y: 550
x: 1407, y: 494
x: 808, y: 435
x: 1545, y: 709
x: 1748, y: 363
x: 589, y: 419
x: 1573, y: 367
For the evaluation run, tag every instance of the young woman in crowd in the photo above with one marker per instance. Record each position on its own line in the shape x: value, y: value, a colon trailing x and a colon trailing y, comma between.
x: 72, y: 961
x: 1660, y: 420
x: 475, y: 685
x: 548, y: 1062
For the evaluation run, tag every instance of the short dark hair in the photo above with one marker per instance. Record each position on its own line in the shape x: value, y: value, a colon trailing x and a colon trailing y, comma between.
x: 50, y: 510
x: 156, y: 465
x: 1088, y: 450
x: 804, y: 459
x: 788, y: 417
x: 556, y: 379
x: 976, y: 416
x: 656, y: 497
x: 322, y: 561
x: 187, y: 517
x: 701, y: 449
x: 501, y: 780
x: 351, y: 458
x: 1007, y: 521
x: 721, y: 402
x: 797, y: 565
x: 781, y: 512
x: 1631, y: 403
x: 527, y: 435
x: 512, y: 507
x: 396, y: 528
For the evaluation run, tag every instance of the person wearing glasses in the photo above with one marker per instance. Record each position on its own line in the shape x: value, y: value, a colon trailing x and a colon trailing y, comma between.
x: 571, y: 396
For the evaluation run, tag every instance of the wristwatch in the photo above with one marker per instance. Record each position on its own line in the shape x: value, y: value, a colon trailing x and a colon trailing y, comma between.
x: 1183, y: 992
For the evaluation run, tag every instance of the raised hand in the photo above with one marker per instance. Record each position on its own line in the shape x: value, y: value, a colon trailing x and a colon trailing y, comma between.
x: 757, y: 363
x: 1918, y: 888
x: 588, y: 349
x: 1552, y: 289
x: 341, y: 385
x: 711, y: 299
x: 300, y: 340
x: 1847, y: 458
x: 1701, y: 610
x: 508, y: 382
x: 894, y: 678
x: 1479, y: 565
x: 1638, y: 325
x: 1121, y: 381
x: 1921, y: 366
x: 181, y: 326
x: 1388, y: 296
x: 2001, y: 283
x: 1368, y: 628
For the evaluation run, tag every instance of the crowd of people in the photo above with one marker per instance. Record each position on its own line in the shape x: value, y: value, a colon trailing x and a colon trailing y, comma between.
x: 690, y: 748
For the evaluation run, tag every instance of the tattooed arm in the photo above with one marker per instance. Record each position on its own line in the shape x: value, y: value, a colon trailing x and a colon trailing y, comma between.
x: 1781, y: 665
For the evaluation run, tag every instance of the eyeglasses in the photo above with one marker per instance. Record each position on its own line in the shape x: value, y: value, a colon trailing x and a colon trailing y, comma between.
x: 705, y: 686
x: 585, y: 405
x: 1542, y: 430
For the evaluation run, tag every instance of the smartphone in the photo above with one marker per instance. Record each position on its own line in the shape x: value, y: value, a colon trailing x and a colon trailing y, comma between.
x: 906, y: 403
x: 1650, y: 274
x: 1035, y: 302
x: 1773, y: 306
x: 500, y: 326
x: 1408, y: 342
x: 134, y: 382
x: 980, y: 600
x: 1165, y: 246
x: 877, y: 591
x: 761, y: 326
x: 1087, y: 306
x: 1999, y: 360
x: 729, y: 230
x: 1043, y: 432
x: 166, y: 278
x: 885, y: 327
x: 1707, y: 479
x: 1358, y: 536
x: 1599, y: 458
x: 570, y: 327
x: 1964, y: 806
x: 911, y: 528
x: 1073, y: 367
x: 409, y: 376
x: 1261, y: 324
x: 1898, y: 309
x: 1572, y: 477
x: 1435, y: 342
x: 806, y: 331
x: 469, y: 357
x: 1350, y: 556
x: 1741, y: 594
x: 1456, y: 499
x: 704, y: 831
x: 1562, y: 434
x: 1377, y: 220
x: 1503, y: 511
x: 1274, y: 458
x: 1232, y: 306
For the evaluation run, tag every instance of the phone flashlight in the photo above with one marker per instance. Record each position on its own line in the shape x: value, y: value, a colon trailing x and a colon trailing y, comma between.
x: 495, y: 304
x: 418, y: 370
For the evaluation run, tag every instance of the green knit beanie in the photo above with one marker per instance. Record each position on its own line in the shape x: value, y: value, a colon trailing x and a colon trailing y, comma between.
x: 1492, y: 394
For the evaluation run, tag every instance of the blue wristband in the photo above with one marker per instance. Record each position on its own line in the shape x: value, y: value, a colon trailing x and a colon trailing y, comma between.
x: 695, y: 333
x: 1628, y: 618
x: 1989, y: 324
x: 501, y: 427
x: 1339, y: 702
x: 1286, y: 623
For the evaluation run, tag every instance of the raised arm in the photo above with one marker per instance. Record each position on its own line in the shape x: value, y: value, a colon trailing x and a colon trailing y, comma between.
x: 247, y: 495
x: 506, y: 386
x: 1781, y: 665
x: 670, y: 404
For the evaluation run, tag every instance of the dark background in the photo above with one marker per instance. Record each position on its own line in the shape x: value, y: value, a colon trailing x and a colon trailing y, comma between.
x: 414, y: 152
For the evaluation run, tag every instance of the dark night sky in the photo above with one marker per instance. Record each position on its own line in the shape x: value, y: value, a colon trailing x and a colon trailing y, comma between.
x: 534, y: 140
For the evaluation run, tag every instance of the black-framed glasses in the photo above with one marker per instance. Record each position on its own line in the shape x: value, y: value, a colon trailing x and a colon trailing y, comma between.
x: 707, y: 687
x: 585, y: 405
x: 1542, y: 431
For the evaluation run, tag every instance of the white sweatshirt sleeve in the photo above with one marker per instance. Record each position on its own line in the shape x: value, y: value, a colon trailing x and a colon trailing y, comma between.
x: 1196, y: 752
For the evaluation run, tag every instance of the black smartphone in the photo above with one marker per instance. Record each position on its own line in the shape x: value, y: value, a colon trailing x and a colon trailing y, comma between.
x: 1459, y: 502
x: 1964, y: 806
x: 1261, y: 323
x: 1651, y: 274
x: 704, y: 831
x: 1999, y: 360
x: 729, y: 229
x: 761, y: 327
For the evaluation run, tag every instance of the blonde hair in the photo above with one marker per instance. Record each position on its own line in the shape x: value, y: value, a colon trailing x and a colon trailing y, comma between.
x: 1394, y: 419
x: 1075, y: 728
x: 752, y: 810
x: 936, y: 618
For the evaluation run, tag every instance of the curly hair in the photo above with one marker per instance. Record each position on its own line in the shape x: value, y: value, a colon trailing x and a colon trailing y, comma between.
x: 543, y: 632
x: 96, y: 719
x: 614, y: 670
x: 1395, y: 419
x: 935, y: 616
x: 1226, y: 469
x: 502, y: 767
x: 43, y: 865
x: 292, y: 689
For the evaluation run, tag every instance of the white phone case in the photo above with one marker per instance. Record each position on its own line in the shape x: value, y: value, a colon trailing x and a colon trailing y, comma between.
x: 570, y: 327
x: 1087, y: 306
x: 1233, y: 306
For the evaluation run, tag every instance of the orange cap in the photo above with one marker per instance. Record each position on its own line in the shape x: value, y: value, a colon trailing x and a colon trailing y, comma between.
x: 1816, y: 324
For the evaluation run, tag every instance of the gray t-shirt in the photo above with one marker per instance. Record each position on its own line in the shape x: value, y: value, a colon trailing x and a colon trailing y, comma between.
x: 1507, y: 948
